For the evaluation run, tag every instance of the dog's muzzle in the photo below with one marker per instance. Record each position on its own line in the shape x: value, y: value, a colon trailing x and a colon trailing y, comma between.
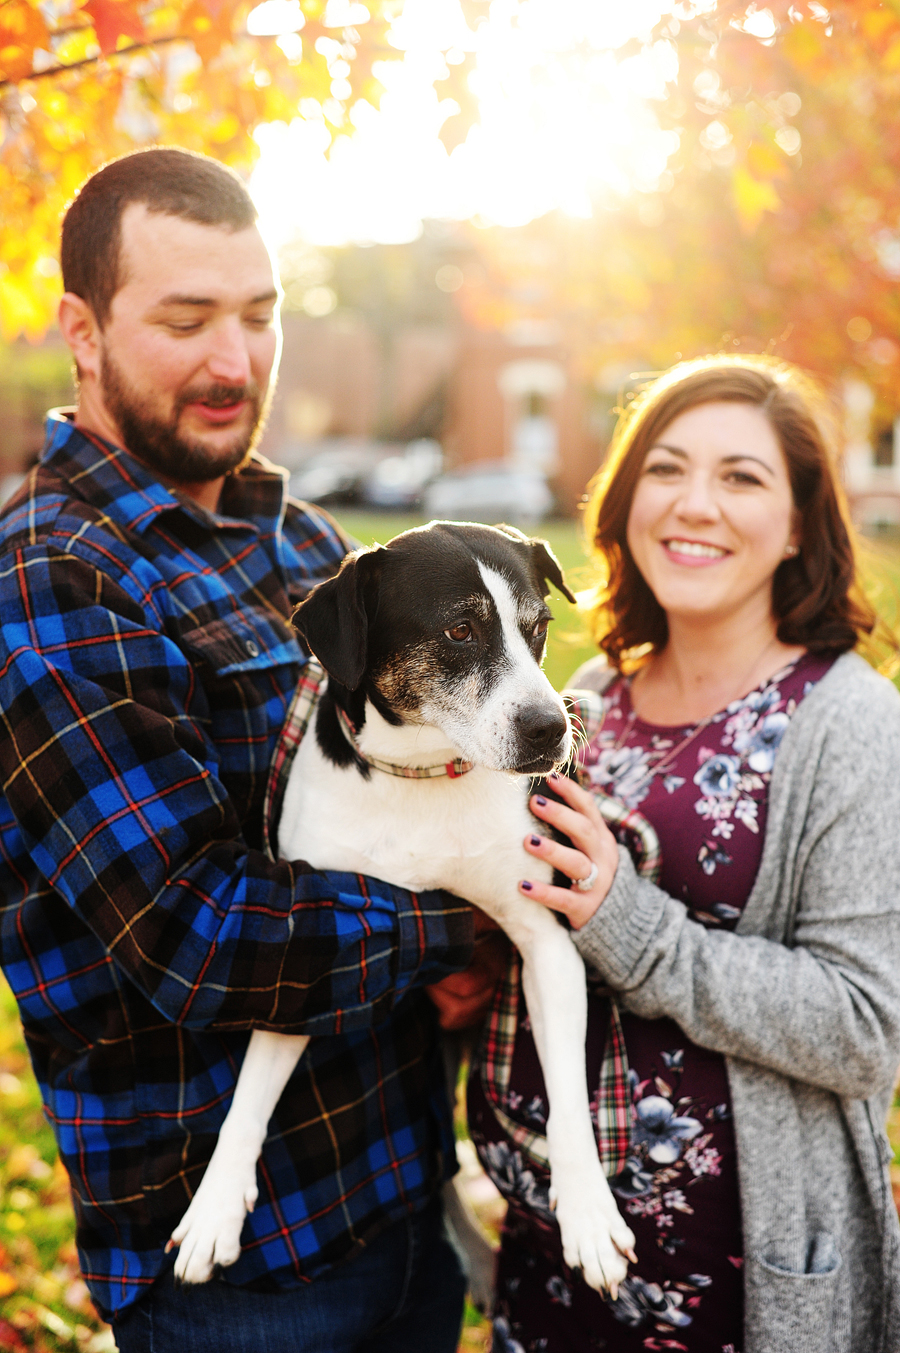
x: 543, y: 739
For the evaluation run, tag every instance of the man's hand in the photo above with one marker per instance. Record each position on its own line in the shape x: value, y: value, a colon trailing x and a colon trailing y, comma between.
x: 463, y: 998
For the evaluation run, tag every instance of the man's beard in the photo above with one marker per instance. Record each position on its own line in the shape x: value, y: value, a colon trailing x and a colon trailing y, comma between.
x: 156, y: 441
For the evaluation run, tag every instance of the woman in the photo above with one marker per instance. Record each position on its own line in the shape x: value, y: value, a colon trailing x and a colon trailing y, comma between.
x: 747, y: 923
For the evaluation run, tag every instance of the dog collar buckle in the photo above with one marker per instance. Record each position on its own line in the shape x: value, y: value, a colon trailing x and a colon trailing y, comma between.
x: 457, y: 768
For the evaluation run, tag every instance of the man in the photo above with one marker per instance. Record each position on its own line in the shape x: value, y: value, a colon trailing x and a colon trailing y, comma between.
x: 148, y: 568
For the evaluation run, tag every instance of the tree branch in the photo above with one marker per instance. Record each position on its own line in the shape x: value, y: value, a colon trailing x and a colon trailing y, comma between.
x: 95, y: 60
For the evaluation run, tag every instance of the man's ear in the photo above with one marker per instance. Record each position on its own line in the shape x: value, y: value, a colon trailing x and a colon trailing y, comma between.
x: 547, y: 566
x: 334, y: 619
x: 79, y: 327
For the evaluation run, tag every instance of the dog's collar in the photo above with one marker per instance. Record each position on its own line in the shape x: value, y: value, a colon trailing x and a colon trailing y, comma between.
x: 452, y: 769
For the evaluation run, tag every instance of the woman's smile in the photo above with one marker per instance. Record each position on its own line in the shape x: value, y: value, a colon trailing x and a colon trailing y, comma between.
x: 694, y: 553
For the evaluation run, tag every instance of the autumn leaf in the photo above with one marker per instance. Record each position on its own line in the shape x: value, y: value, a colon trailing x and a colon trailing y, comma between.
x: 22, y: 29
x: 10, y: 1338
x: 113, y: 19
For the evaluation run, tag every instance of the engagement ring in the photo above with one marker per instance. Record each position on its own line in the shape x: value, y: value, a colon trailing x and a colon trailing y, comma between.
x: 586, y: 884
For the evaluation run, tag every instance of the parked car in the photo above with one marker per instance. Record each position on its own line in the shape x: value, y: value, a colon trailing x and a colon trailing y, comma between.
x: 489, y: 491
x: 336, y: 473
x: 400, y: 481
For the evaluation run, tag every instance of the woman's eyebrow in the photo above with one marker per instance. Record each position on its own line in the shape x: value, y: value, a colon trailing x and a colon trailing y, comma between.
x: 726, y: 460
x: 733, y: 460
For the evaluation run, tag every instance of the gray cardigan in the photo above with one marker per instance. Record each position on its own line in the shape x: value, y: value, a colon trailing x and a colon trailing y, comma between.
x: 803, y: 999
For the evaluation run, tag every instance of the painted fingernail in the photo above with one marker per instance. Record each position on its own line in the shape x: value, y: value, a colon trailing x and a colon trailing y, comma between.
x: 553, y: 775
x: 526, y: 886
x: 534, y: 840
x: 540, y: 801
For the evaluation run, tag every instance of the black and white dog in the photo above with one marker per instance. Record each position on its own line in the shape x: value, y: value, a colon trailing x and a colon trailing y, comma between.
x: 433, y: 646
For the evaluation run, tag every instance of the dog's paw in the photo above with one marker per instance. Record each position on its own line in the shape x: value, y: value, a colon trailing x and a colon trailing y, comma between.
x: 595, y: 1239
x: 209, y: 1233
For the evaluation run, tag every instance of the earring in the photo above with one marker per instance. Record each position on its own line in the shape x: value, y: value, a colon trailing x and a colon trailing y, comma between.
x: 790, y: 551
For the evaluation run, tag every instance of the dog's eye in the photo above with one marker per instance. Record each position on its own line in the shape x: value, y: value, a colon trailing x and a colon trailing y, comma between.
x: 461, y: 633
x: 540, y: 628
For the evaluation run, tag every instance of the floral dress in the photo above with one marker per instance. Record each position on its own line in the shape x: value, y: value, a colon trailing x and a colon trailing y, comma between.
x: 690, y: 802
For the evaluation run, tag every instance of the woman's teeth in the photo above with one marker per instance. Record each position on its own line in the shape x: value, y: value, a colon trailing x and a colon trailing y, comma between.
x: 693, y: 547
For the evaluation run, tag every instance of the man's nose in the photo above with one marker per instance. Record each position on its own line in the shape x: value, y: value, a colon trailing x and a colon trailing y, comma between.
x: 229, y: 355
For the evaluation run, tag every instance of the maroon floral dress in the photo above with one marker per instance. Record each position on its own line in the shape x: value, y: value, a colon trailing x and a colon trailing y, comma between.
x: 694, y: 798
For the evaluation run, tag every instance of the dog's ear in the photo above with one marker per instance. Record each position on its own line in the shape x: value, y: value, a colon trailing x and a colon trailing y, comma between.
x: 334, y: 619
x: 547, y: 565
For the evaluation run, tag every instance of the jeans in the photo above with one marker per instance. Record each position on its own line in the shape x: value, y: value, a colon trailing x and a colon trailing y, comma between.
x: 403, y: 1294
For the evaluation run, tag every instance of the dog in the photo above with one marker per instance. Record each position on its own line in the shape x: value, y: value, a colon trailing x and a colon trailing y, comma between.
x: 433, y: 647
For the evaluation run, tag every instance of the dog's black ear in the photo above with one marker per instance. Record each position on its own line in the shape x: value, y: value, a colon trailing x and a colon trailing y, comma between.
x: 547, y: 566
x: 334, y: 618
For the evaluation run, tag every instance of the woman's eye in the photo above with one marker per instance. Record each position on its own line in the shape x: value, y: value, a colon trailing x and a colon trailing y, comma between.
x: 742, y: 477
x: 663, y: 469
x: 461, y: 633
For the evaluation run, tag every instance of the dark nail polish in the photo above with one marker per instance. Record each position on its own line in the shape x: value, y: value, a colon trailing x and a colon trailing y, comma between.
x: 526, y: 886
x: 553, y: 775
x: 540, y: 801
x: 535, y: 840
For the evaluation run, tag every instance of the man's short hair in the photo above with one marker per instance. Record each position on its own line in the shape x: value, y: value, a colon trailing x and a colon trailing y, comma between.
x: 167, y: 181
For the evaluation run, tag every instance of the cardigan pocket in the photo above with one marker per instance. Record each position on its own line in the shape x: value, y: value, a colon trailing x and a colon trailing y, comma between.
x: 790, y: 1311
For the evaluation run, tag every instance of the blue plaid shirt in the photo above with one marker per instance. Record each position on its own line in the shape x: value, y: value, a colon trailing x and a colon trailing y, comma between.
x: 146, y: 665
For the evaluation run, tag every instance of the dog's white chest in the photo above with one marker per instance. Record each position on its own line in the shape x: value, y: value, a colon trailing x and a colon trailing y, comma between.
x: 462, y: 834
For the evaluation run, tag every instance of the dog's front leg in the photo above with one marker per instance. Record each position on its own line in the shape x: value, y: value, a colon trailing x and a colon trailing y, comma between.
x: 209, y: 1233
x: 593, y: 1233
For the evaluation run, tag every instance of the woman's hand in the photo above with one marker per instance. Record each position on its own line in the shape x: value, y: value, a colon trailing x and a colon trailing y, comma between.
x: 579, y: 819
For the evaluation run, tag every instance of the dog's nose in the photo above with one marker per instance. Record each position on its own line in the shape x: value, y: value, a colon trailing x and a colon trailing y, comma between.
x: 541, y: 730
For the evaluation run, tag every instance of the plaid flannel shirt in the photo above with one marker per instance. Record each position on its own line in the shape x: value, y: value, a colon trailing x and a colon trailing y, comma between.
x: 146, y: 666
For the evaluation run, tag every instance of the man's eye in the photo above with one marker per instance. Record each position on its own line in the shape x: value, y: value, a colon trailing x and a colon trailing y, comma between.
x: 460, y: 633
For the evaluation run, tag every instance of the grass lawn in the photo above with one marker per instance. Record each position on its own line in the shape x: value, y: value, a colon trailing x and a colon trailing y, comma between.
x: 44, y: 1304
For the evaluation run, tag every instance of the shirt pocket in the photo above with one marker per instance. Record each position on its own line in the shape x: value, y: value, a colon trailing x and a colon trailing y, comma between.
x: 247, y: 640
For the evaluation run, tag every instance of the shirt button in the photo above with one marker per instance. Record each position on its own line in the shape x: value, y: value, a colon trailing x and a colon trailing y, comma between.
x: 252, y: 648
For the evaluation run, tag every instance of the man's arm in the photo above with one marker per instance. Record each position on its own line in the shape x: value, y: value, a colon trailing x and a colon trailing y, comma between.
x: 108, y: 768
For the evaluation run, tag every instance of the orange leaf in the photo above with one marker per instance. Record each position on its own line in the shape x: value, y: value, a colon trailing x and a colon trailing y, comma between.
x: 113, y: 19
x: 22, y: 28
x: 11, y: 1338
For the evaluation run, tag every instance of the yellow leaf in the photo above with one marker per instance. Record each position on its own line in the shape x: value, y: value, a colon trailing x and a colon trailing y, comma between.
x: 765, y: 161
x: 802, y: 43
x: 225, y: 129
x: 875, y: 22
x: 752, y: 197
x: 7, y: 1284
